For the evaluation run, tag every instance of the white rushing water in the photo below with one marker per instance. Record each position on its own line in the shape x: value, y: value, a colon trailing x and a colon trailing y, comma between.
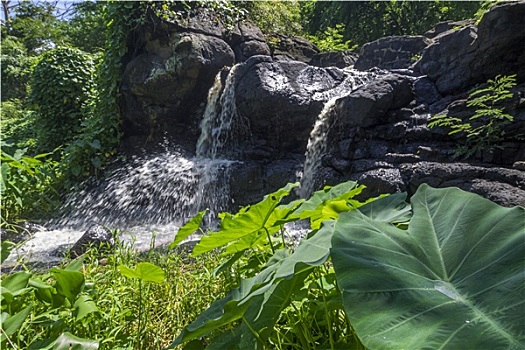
x: 317, y: 141
x: 151, y: 196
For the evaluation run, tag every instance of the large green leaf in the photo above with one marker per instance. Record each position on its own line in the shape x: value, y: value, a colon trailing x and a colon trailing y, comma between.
x: 144, y: 271
x: 188, y: 228
x: 68, y: 283
x: 454, y: 280
x: 326, y: 204
x: 249, y: 221
x: 12, y: 324
x: 260, y: 299
x: 67, y: 341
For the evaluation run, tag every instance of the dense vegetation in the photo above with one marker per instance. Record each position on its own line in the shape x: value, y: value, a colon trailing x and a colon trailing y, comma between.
x: 362, y: 276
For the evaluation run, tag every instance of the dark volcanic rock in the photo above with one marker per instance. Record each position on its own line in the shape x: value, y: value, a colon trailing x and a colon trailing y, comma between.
x: 470, y: 55
x: 367, y: 105
x: 96, y: 236
x: 296, y: 48
x: 339, y: 59
x: 393, y: 52
x: 160, y: 87
x: 247, y: 40
x: 281, y: 100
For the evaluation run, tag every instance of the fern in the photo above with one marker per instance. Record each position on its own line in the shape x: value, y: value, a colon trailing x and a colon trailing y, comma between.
x: 493, y: 118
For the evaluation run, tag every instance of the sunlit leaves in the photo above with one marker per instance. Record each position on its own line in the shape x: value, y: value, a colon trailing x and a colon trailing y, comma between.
x: 144, y: 271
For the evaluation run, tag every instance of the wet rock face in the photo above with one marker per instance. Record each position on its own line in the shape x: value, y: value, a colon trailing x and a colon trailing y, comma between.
x: 163, y: 86
x: 280, y: 101
x: 379, y: 133
x: 339, y: 59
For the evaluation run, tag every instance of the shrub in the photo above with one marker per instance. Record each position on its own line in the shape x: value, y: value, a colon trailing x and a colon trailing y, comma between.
x: 27, y: 185
x: 332, y: 39
x: 62, y: 84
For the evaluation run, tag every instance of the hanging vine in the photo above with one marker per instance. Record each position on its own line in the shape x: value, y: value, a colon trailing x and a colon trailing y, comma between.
x: 101, y: 131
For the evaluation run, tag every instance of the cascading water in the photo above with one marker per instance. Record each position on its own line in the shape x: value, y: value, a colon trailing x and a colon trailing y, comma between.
x: 218, y: 119
x: 317, y: 141
x: 153, y: 194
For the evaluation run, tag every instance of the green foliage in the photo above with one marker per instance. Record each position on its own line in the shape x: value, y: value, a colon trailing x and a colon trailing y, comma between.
x: 100, y: 134
x: 26, y: 185
x: 143, y: 272
x: 366, y: 21
x: 37, y: 26
x: 17, y: 125
x: 15, y: 68
x: 259, y: 301
x: 107, y: 308
x: 454, y: 274
x: 228, y: 13
x: 395, y: 266
x: 485, y: 130
x: 62, y: 84
x: 332, y: 39
x: 86, y: 30
x: 282, y: 17
x: 56, y: 302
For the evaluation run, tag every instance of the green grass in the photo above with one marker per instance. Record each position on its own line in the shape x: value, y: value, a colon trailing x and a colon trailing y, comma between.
x: 188, y: 289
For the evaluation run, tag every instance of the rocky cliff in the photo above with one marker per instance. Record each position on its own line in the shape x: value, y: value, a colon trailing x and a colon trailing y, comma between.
x: 371, y: 108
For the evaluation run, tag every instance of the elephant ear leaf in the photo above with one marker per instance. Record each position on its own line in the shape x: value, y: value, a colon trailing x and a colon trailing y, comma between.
x: 454, y: 280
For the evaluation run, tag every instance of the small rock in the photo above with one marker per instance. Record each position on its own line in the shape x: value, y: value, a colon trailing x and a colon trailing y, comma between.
x: 96, y: 236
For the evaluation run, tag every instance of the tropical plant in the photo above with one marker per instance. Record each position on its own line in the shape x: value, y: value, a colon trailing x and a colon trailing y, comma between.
x: 448, y: 265
x: 366, y: 21
x: 332, y: 39
x: 143, y: 272
x: 100, y: 132
x: 490, y: 118
x: 67, y: 300
x: 27, y: 185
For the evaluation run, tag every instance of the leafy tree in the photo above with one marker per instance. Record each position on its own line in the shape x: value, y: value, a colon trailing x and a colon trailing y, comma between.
x: 275, y: 16
x: 37, y: 26
x: 369, y: 20
x: 15, y: 68
x: 87, y: 29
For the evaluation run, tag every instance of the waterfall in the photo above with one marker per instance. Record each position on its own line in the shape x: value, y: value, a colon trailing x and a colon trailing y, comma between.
x: 218, y: 118
x: 151, y: 194
x: 317, y: 142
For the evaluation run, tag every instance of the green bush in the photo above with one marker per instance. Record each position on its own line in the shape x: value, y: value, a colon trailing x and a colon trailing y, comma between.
x: 332, y: 39
x: 27, y: 185
x: 15, y: 68
x: 62, y: 85
x: 18, y: 125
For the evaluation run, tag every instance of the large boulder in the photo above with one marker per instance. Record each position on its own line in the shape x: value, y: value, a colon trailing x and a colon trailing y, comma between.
x: 97, y: 237
x: 161, y: 86
x: 393, y: 52
x: 247, y: 40
x: 339, y: 59
x: 281, y: 100
x: 295, y: 48
x: 470, y: 55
